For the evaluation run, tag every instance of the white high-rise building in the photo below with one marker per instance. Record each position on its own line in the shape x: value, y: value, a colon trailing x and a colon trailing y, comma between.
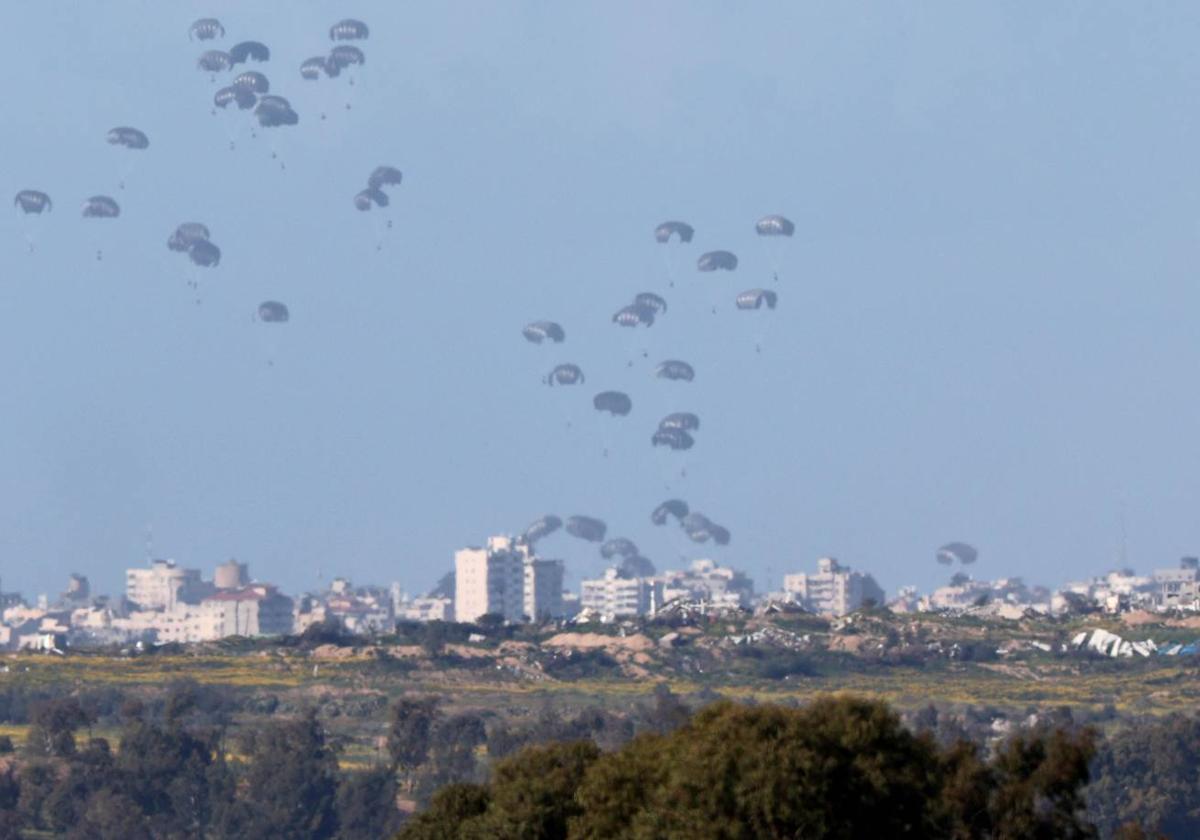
x: 164, y: 585
x: 505, y: 579
x: 833, y: 590
x: 613, y: 596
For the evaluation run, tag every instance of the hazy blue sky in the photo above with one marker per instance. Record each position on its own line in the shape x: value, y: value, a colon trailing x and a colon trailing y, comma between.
x: 987, y: 327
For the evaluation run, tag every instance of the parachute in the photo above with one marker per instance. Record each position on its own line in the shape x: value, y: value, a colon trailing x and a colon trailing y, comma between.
x: 720, y: 535
x: 543, y: 527
x: 214, y: 61
x: 633, y: 315
x: 273, y: 312
x: 275, y: 111
x: 714, y: 260
x: 755, y: 298
x: 186, y: 235
x: 128, y: 137
x: 663, y: 232
x: 540, y: 331
x: 101, y: 207
x: 344, y: 55
x: 652, y: 301
x: 701, y: 529
x: 675, y: 370
x: 586, y: 528
x: 774, y: 225
x: 249, y: 51
x: 384, y: 176
x: 312, y: 68
x: 676, y: 439
x: 963, y: 553
x: 671, y: 507
x: 244, y: 97
x: 33, y: 201
x: 252, y: 81
x: 636, y: 566
x: 206, y: 29
x: 364, y: 199
x: 349, y: 30
x: 618, y: 547
x: 683, y: 421
x: 565, y: 374
x: 614, y: 402
x: 204, y: 253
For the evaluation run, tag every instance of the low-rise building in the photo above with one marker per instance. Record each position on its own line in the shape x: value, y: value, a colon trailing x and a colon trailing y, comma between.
x: 704, y: 580
x: 612, y: 596
x: 1178, y: 588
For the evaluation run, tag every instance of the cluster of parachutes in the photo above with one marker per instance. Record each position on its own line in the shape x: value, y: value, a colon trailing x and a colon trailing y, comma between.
x: 677, y: 430
x: 590, y: 529
x: 373, y: 195
x: 192, y: 238
x: 697, y: 526
x: 36, y: 202
x: 249, y: 89
x: 341, y: 57
x: 642, y: 312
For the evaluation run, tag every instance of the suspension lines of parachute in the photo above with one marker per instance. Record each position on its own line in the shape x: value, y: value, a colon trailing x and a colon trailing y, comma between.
x: 31, y: 203
x: 100, y: 207
x: 129, y: 138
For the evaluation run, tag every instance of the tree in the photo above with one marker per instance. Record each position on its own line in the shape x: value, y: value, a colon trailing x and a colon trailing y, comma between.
x: 1147, y: 774
x: 366, y: 805
x: 1038, y: 785
x: 533, y: 793
x: 110, y: 816
x: 410, y: 733
x: 453, y: 743
x: 841, y: 767
x: 54, y: 725
x: 450, y: 811
x: 291, y: 783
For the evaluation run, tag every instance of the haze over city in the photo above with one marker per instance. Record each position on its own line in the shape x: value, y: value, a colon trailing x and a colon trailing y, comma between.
x: 985, y: 328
